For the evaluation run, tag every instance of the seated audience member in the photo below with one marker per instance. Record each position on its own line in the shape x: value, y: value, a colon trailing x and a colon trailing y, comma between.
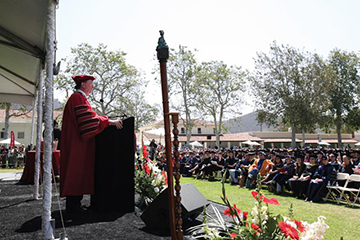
x: 356, y: 159
x: 217, y: 164
x: 299, y: 185
x: 235, y: 172
x: 182, y: 160
x: 307, y: 157
x: 278, y: 164
x: 300, y: 168
x: 191, y: 162
x: 230, y: 162
x: 317, y: 186
x: 334, y: 162
x: 283, y: 175
x: 347, y: 166
x: 198, y: 165
x: 262, y: 166
x: 243, y: 171
x: 204, y: 164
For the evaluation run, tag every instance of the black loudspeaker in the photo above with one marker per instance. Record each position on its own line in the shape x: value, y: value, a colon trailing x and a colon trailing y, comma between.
x: 156, y: 215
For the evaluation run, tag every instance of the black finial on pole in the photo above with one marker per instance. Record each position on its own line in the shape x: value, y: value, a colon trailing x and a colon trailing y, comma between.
x: 162, y: 48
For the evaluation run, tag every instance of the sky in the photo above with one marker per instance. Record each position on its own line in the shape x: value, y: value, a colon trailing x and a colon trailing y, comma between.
x: 232, y: 31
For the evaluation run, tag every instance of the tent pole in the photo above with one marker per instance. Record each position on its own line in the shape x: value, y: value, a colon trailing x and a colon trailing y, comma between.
x: 33, y: 122
x: 38, y: 134
x: 48, y: 231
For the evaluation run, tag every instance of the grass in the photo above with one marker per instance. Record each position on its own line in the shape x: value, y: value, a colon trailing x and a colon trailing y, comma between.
x: 7, y: 170
x: 342, y: 220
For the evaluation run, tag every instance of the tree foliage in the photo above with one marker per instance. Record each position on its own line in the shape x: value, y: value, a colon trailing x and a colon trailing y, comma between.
x: 116, y: 81
x: 220, y: 89
x: 182, y: 69
x: 343, y: 78
x: 285, y: 84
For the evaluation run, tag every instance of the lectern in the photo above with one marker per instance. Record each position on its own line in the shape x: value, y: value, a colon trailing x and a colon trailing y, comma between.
x: 114, y: 169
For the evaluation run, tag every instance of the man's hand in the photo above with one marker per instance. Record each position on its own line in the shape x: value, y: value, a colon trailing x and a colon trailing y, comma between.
x: 117, y: 123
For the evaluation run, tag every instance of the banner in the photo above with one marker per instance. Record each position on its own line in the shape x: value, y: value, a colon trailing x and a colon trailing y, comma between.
x: 12, y: 141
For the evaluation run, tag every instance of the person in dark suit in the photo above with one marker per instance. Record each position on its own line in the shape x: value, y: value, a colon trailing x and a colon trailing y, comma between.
x: 57, y: 134
x: 300, y: 185
x: 317, y: 186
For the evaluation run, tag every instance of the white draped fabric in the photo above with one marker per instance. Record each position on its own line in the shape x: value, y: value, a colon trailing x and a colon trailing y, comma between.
x: 48, y: 231
x: 38, y: 136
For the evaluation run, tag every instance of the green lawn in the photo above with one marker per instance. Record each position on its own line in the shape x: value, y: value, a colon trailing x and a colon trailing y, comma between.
x: 6, y: 170
x: 343, y: 220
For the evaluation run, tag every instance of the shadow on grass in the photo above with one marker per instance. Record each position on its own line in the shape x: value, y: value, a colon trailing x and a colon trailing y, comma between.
x: 34, y: 224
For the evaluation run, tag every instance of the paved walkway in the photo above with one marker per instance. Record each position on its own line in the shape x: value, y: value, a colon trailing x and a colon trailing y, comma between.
x: 12, y: 176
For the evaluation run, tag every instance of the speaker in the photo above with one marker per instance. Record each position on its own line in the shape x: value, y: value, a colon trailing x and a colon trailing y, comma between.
x: 156, y: 215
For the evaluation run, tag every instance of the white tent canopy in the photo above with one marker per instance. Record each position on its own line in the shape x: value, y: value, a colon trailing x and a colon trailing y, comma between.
x: 251, y: 143
x: 8, y: 140
x: 324, y: 143
x: 22, y: 49
x: 27, y: 37
x: 357, y: 144
x: 195, y: 144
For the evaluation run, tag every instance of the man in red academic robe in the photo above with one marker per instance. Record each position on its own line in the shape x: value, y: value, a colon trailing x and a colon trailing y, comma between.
x: 79, y: 126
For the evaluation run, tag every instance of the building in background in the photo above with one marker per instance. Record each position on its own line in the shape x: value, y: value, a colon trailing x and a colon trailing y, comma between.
x: 21, y: 125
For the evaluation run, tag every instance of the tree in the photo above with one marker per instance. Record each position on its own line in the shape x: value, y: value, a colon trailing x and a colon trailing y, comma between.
x: 344, y: 87
x: 220, y: 89
x: 23, y: 110
x: 283, y: 84
x: 143, y: 112
x: 261, y: 118
x: 314, y: 102
x: 116, y: 81
x: 181, y: 70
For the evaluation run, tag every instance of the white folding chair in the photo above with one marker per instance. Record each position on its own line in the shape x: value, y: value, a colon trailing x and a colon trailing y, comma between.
x: 354, y: 192
x: 333, y: 189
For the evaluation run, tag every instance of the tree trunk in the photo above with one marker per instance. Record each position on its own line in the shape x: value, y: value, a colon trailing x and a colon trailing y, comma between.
x: 261, y: 127
x: 7, y: 120
x: 338, y: 127
x: 303, y: 137
x: 293, y: 141
x: 188, y: 135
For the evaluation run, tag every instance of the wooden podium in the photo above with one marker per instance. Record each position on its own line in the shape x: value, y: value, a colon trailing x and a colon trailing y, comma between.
x: 114, y: 169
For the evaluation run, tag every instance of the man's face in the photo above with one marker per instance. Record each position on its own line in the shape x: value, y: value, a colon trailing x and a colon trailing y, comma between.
x: 87, y: 87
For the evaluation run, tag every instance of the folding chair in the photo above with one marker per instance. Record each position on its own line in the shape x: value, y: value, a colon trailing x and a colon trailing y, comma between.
x: 333, y: 189
x: 354, y: 192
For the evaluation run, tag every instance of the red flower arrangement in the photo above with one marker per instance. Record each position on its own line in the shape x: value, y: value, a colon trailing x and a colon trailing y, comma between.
x: 147, y: 169
x: 231, y: 211
x: 264, y: 225
x: 288, y: 230
x: 300, y: 225
x: 265, y: 200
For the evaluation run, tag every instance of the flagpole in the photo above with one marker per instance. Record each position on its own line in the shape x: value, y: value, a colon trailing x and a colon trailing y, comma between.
x: 163, y: 55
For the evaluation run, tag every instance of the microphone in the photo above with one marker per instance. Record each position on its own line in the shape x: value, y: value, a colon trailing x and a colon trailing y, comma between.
x: 118, y: 116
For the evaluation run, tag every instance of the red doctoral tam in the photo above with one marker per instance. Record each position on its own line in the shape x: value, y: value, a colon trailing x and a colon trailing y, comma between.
x: 82, y: 78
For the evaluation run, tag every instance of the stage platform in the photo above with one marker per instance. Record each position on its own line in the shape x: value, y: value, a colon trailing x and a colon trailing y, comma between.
x: 20, y: 218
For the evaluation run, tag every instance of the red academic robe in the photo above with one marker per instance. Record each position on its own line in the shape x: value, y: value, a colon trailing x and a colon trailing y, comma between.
x: 77, y: 159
